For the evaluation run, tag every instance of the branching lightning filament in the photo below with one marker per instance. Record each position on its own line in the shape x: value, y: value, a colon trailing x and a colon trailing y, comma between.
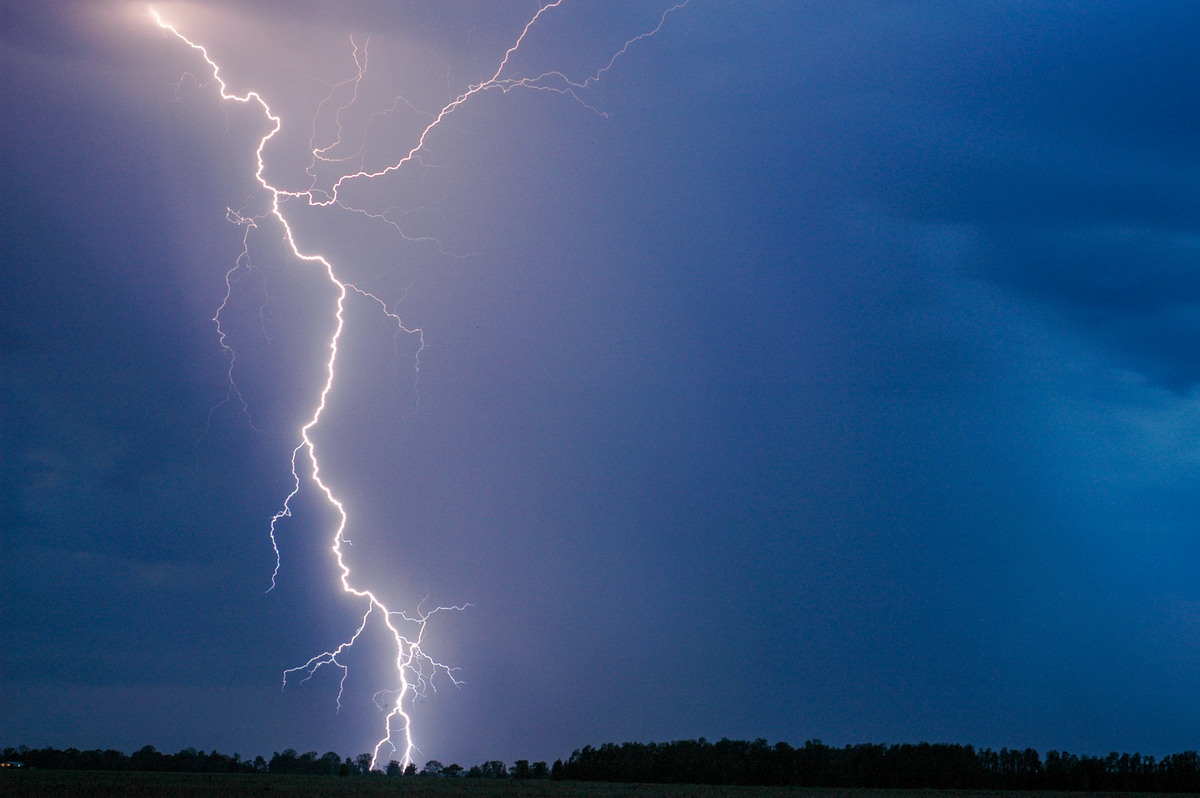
x: 415, y: 670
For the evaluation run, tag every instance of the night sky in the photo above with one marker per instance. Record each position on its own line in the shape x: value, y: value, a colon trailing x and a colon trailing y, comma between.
x: 837, y: 381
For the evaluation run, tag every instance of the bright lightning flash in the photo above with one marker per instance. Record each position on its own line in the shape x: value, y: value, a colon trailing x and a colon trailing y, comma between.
x: 415, y: 670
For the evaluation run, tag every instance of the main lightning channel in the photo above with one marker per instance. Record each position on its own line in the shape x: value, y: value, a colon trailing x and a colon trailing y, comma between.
x: 415, y: 669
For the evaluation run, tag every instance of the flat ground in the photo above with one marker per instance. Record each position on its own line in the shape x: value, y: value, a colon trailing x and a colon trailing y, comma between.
x: 79, y: 784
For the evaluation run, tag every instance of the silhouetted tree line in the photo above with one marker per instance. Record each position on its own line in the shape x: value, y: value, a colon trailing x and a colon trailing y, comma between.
x: 189, y: 760
x: 906, y: 766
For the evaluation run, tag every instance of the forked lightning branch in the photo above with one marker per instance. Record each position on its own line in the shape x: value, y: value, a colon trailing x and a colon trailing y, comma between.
x: 413, y: 669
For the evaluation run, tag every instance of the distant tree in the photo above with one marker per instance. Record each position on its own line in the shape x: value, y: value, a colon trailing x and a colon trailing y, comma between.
x: 520, y: 769
x: 411, y: 770
x: 363, y: 761
x: 556, y: 770
x: 476, y: 772
x: 186, y: 761
x: 538, y: 770
x: 280, y: 763
x: 432, y: 768
x: 328, y: 763
x: 494, y: 769
x: 146, y: 758
x: 394, y: 769
x: 452, y: 771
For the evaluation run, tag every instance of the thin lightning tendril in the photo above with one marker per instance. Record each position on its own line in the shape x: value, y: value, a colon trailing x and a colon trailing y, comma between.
x: 416, y: 671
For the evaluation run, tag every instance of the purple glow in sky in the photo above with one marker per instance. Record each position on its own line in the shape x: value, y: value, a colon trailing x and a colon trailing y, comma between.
x: 828, y: 371
x: 415, y: 672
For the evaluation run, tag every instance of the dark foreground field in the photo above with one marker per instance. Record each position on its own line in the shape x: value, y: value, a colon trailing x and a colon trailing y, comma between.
x: 81, y: 784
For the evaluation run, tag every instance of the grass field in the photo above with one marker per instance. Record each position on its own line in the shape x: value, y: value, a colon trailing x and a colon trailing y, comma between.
x: 85, y: 784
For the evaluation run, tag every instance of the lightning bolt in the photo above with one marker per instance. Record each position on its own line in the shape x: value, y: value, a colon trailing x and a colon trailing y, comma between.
x: 415, y: 670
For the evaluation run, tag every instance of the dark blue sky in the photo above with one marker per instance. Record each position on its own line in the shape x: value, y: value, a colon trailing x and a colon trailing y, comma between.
x: 839, y: 383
